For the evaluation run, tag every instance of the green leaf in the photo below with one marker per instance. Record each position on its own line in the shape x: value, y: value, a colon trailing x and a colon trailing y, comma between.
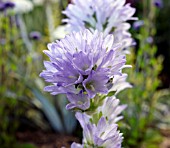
x: 49, y: 111
x: 111, y: 93
x: 24, y: 145
x: 68, y: 116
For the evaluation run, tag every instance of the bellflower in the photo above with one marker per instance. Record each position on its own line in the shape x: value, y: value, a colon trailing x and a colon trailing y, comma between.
x: 35, y: 35
x: 108, y: 16
x: 9, y: 4
x: 101, y: 134
x: 158, y: 3
x: 111, y: 109
x: 76, y: 145
x: 149, y: 40
x: 82, y: 64
x: 6, y: 5
x: 119, y: 83
x: 80, y: 100
x: 138, y: 24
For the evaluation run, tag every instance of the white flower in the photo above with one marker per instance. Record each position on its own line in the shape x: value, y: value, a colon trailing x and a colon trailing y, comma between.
x: 119, y: 83
x: 108, y: 16
x: 111, y: 109
x: 60, y: 32
x: 38, y: 2
x: 22, y: 6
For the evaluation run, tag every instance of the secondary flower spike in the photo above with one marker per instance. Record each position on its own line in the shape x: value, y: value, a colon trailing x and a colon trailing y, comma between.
x: 108, y: 16
x: 81, y: 65
x: 101, y: 134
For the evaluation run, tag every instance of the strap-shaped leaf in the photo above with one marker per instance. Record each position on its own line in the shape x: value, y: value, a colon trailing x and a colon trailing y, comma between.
x: 49, y: 110
x: 68, y: 116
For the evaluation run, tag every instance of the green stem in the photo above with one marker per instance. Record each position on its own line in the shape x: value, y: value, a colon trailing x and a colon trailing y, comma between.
x: 49, y: 16
x: 23, y: 32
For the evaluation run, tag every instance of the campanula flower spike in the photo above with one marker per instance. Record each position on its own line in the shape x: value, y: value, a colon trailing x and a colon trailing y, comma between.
x: 101, y: 134
x: 87, y: 66
x: 81, y: 65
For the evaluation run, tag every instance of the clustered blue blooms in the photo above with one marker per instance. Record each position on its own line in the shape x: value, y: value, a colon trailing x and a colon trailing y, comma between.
x: 101, y: 135
x: 82, y: 65
x: 87, y: 66
x: 107, y: 16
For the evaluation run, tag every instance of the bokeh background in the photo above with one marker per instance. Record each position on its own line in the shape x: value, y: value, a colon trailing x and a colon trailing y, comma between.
x: 32, y: 118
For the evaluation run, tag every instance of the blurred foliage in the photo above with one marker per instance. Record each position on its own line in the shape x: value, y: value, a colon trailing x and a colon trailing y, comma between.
x: 11, y: 70
x: 162, y: 39
x: 141, y: 117
x: 22, y: 102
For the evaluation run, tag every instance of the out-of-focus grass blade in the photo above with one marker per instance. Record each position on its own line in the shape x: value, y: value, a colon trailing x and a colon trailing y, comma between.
x: 49, y: 111
x: 68, y: 116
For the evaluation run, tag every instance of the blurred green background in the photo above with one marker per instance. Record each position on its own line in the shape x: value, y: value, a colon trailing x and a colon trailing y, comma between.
x: 30, y: 117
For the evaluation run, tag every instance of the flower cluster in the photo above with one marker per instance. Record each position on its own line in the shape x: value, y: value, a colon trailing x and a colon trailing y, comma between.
x: 107, y: 16
x: 101, y: 134
x: 82, y: 65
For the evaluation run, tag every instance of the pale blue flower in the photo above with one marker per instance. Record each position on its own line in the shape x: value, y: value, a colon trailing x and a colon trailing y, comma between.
x: 138, y: 24
x: 35, y: 35
x: 96, y: 82
x: 158, y: 3
x: 149, y: 40
x: 80, y: 100
x: 6, y: 5
x: 76, y: 145
x: 82, y: 64
x: 101, y: 135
